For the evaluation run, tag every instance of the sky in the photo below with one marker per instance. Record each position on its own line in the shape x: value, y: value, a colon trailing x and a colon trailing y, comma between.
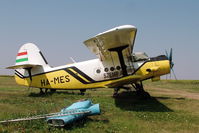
x: 59, y: 27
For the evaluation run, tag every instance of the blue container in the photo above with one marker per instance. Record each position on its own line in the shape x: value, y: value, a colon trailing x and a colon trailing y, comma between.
x: 74, y: 112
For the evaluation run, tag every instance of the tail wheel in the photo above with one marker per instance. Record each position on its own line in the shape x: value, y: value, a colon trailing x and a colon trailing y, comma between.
x: 53, y: 90
x: 82, y: 91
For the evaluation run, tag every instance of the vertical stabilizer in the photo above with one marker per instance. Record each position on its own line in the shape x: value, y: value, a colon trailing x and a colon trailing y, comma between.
x: 29, y: 61
x: 28, y: 56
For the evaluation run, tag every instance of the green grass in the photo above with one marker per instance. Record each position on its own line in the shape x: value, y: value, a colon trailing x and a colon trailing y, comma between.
x: 188, y: 85
x: 127, y: 113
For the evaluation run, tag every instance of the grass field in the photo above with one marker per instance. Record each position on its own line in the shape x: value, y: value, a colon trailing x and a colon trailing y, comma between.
x: 173, y: 107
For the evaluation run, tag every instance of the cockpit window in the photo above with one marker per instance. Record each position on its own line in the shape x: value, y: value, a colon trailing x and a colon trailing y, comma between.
x: 140, y: 56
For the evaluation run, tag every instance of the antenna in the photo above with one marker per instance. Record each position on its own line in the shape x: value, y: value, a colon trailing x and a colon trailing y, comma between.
x: 72, y: 60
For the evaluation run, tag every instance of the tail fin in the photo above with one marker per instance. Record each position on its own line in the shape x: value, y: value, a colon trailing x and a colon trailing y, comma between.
x: 29, y: 61
x: 29, y: 56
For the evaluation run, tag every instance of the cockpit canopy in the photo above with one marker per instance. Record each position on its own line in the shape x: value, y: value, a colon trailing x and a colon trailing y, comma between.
x: 139, y: 56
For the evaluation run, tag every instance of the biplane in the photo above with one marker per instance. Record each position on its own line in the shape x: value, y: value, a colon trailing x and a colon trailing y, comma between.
x: 117, y: 66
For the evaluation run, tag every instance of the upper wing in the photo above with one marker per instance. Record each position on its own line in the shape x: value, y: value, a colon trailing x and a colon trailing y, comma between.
x: 113, y: 38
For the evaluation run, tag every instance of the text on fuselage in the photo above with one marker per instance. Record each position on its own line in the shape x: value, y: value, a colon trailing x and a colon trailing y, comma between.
x: 55, y: 80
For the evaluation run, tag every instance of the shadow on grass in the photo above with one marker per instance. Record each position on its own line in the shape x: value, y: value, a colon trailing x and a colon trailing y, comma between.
x: 130, y: 101
x: 33, y: 94
x: 180, y: 98
x: 81, y: 123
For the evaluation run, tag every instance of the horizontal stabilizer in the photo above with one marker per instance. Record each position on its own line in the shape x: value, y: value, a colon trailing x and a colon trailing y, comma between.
x: 22, y: 66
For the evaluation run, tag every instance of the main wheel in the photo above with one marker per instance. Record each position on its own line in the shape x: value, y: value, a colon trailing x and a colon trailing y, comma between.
x: 52, y: 90
x: 82, y: 91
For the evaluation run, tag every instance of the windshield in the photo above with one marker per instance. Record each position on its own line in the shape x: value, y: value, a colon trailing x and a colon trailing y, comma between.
x: 140, y: 56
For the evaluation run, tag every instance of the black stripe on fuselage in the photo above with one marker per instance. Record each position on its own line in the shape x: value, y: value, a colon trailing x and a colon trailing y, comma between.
x: 67, y: 70
x: 82, y: 74
x: 19, y: 74
x: 75, y: 76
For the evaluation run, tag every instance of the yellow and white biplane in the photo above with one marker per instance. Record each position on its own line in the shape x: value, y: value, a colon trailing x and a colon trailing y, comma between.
x: 116, y: 66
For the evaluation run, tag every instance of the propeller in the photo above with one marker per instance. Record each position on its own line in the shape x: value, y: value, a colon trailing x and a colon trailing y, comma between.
x: 170, y: 58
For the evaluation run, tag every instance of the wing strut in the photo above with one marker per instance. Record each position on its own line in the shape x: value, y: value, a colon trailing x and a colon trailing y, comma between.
x: 121, y: 58
x: 29, y: 72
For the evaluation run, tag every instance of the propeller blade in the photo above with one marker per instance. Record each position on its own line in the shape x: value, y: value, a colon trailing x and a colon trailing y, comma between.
x: 170, y: 56
x: 167, y: 54
x: 174, y: 74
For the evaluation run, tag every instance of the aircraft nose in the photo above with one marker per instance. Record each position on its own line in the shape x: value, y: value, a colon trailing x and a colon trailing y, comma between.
x: 164, y: 67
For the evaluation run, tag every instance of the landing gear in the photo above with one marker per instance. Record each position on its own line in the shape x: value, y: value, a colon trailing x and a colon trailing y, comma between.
x: 116, y: 92
x: 46, y: 91
x: 53, y: 90
x: 127, y: 87
x: 82, y: 91
x: 140, y: 90
x: 41, y: 91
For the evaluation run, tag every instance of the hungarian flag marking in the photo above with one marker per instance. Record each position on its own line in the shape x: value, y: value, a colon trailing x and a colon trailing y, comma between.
x: 21, y: 57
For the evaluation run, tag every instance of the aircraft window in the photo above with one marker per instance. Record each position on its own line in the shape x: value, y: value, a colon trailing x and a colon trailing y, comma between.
x: 98, y: 71
x: 118, y: 67
x: 140, y: 56
x: 112, y: 68
x: 106, y: 69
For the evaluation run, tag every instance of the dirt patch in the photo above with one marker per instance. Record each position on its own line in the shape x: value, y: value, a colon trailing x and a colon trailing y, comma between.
x: 181, y: 93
